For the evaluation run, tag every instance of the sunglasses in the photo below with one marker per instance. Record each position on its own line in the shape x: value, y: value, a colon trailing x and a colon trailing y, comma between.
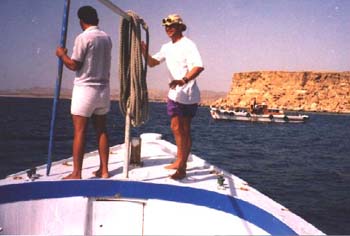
x: 168, y: 20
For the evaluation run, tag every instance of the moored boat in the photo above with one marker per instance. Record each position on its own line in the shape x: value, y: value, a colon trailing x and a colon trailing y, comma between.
x: 260, y: 113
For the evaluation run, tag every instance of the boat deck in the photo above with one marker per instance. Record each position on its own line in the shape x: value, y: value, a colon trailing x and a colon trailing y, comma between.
x: 147, y: 203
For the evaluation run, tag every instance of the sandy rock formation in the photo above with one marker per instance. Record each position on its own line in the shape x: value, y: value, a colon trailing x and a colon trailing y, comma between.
x: 298, y: 91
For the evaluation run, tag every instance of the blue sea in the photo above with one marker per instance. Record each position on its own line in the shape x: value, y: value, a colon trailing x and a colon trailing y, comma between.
x: 305, y: 167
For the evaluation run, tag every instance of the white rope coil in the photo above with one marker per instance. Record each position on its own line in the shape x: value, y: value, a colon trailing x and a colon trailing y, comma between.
x: 133, y: 70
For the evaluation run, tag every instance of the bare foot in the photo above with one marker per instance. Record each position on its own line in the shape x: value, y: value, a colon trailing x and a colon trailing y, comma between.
x: 179, y: 174
x: 98, y: 173
x: 72, y: 176
x: 104, y: 175
x: 172, y: 166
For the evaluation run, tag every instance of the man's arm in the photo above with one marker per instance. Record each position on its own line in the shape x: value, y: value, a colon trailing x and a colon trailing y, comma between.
x: 192, y: 74
x: 67, y: 61
x: 150, y: 60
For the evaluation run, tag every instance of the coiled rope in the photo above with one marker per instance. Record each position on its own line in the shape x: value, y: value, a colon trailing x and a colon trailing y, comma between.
x: 133, y: 92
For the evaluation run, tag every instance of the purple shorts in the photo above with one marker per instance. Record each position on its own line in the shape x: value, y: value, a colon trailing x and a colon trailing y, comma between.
x: 179, y: 109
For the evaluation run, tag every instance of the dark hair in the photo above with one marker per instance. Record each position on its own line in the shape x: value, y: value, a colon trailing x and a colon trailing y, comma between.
x: 88, y: 15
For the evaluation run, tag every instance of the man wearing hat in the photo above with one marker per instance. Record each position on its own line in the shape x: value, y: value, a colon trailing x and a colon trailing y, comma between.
x: 91, y: 60
x: 184, y: 64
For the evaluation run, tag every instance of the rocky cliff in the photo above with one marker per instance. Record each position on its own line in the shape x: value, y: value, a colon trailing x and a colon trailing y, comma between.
x: 299, y: 91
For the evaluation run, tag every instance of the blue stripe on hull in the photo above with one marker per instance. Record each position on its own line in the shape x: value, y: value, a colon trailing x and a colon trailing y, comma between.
x: 131, y: 189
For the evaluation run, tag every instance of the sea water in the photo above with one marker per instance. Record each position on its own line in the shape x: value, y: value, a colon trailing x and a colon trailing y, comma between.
x: 305, y: 167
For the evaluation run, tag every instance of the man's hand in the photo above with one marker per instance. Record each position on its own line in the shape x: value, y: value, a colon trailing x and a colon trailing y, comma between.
x: 143, y: 48
x: 61, y: 51
x: 67, y: 61
x: 174, y: 83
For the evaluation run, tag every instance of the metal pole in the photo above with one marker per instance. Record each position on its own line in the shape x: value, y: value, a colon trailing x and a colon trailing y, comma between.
x: 115, y: 9
x: 58, y: 84
x: 127, y: 144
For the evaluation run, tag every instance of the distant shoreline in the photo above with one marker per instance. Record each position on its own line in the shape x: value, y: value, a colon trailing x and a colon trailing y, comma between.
x: 158, y: 96
x: 156, y: 101
x: 27, y: 96
x: 62, y: 97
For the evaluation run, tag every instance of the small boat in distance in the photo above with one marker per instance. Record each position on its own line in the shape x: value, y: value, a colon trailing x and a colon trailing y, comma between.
x: 257, y: 113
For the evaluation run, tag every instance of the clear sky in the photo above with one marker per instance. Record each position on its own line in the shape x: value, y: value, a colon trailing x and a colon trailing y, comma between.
x: 232, y: 36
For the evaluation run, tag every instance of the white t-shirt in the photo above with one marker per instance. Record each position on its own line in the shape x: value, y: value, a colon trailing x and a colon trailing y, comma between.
x: 93, y: 48
x: 181, y: 57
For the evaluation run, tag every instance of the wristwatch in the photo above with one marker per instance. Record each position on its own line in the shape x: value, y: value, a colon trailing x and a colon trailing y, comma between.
x: 186, y: 80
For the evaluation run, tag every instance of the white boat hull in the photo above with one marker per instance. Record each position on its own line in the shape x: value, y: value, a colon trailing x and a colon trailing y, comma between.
x: 146, y: 209
x: 148, y: 203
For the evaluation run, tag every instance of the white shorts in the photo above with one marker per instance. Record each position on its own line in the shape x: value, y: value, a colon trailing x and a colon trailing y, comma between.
x: 89, y: 100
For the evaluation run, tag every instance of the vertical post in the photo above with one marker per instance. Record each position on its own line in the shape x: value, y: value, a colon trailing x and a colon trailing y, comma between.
x: 58, y: 84
x: 127, y: 144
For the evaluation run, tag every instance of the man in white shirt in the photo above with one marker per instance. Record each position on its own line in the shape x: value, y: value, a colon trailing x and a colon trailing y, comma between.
x: 184, y: 64
x: 91, y: 59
